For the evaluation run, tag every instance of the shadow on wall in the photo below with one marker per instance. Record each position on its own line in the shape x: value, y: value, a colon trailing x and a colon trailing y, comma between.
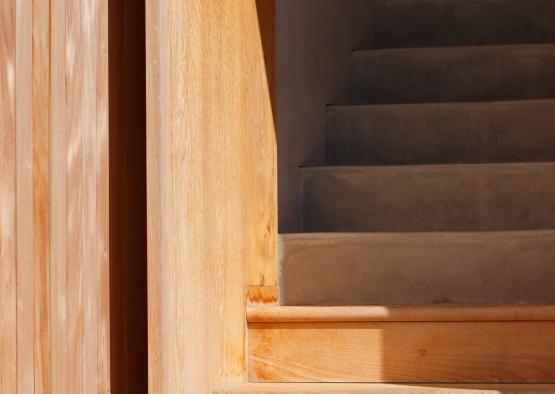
x: 128, y: 260
x: 266, y: 10
x: 314, y: 39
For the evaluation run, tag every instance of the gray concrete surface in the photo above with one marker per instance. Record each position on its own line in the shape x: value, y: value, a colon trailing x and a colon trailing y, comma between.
x: 314, y: 43
x: 428, y: 198
x: 517, y: 131
x: 481, y: 73
x: 417, y: 268
x: 417, y: 23
x: 452, y: 196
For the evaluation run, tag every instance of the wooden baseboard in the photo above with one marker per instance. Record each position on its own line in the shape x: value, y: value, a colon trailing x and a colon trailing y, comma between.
x: 433, y: 348
x: 371, y: 388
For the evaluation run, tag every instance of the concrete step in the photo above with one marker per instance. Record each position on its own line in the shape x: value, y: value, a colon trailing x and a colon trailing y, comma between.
x: 428, y: 198
x: 480, y: 73
x: 506, y: 131
x: 417, y: 268
x: 420, y: 23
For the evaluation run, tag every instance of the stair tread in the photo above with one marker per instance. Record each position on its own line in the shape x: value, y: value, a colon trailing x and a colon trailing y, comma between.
x: 430, y: 197
x: 462, y: 22
x: 380, y: 388
x: 429, y: 235
x: 363, y: 107
x: 444, y: 74
x: 417, y: 268
x: 437, y: 166
x: 550, y: 46
x: 431, y: 133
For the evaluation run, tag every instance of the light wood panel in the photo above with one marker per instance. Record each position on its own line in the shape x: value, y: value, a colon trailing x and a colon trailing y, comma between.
x: 211, y: 189
x: 507, y: 352
x: 41, y: 194
x: 8, y: 314
x: 376, y: 388
x: 24, y: 195
x: 54, y: 197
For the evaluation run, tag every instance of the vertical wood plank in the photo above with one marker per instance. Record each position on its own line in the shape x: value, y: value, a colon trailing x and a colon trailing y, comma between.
x: 58, y: 202
x: 41, y: 194
x: 211, y: 188
x: 24, y: 190
x: 75, y: 102
x: 87, y: 123
x: 157, y: 181
x: 116, y: 9
x: 102, y: 199
x: 8, y: 329
x: 261, y: 272
x: 58, y: 190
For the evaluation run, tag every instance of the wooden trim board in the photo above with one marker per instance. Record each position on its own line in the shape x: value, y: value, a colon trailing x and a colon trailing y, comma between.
x: 507, y: 352
x: 376, y: 388
x: 303, y: 314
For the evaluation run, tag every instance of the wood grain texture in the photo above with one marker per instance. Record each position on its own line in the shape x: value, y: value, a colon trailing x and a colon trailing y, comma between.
x: 423, y: 313
x: 461, y: 352
x: 262, y: 295
x: 54, y: 324
x: 58, y: 202
x: 101, y: 262
x: 377, y: 388
x: 41, y: 195
x: 24, y: 193
x: 211, y: 188
x: 8, y: 315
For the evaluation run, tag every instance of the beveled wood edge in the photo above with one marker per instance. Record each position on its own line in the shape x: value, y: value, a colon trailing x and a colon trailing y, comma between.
x: 412, y: 313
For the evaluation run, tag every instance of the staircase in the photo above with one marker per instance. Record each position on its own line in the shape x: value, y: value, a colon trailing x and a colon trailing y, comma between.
x: 427, y: 258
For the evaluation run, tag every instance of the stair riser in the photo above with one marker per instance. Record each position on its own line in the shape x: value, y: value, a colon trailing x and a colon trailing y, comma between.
x: 428, y: 198
x: 443, y: 133
x: 422, y: 23
x: 417, y: 269
x: 454, y: 74
x: 402, y: 352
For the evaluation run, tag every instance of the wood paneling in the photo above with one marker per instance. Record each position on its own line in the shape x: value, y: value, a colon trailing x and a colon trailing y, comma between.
x: 8, y: 267
x: 41, y: 194
x: 54, y: 197
x: 507, y: 352
x: 211, y: 174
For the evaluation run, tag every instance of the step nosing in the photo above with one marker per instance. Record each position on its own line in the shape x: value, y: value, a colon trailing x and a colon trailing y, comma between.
x: 332, y: 108
x: 413, y: 167
x: 450, y: 235
x: 400, y: 313
x: 444, y: 49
